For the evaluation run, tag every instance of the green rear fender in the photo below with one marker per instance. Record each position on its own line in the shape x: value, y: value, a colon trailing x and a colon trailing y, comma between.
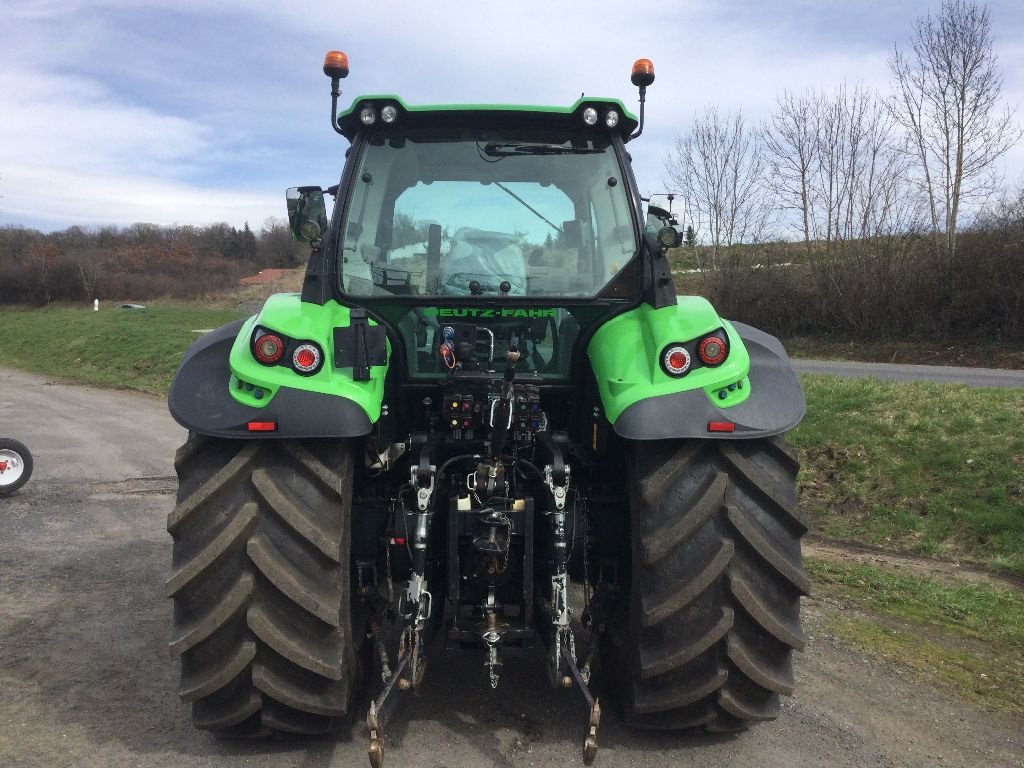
x: 285, y: 314
x: 222, y: 390
x: 754, y: 390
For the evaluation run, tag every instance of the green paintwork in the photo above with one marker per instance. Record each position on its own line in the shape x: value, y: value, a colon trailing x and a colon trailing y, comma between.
x: 626, y: 351
x: 286, y: 314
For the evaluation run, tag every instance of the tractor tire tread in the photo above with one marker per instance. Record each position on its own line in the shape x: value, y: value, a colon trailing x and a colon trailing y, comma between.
x: 709, y: 630
x: 261, y: 585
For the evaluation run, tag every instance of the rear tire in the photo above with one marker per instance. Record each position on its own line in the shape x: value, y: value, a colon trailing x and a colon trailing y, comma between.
x: 713, y: 618
x: 261, y: 584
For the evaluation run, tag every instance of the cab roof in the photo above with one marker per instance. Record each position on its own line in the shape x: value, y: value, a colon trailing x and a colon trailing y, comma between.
x: 484, y: 115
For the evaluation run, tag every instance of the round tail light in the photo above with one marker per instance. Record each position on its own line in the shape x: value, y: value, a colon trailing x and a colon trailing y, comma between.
x: 675, y: 360
x: 268, y: 348
x: 712, y: 350
x: 307, y: 358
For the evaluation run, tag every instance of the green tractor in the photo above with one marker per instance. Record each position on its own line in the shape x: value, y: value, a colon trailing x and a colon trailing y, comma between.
x: 487, y: 421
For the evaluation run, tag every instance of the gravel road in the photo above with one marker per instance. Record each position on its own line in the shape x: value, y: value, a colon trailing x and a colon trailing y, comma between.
x: 85, y: 677
x: 945, y: 374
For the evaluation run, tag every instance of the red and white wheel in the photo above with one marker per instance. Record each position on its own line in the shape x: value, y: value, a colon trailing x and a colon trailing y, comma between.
x: 15, y: 466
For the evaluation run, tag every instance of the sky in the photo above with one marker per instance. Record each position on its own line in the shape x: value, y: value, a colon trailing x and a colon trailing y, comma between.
x: 118, y: 111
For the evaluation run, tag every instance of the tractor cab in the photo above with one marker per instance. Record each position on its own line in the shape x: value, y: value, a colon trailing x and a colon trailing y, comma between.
x: 524, y: 223
x: 508, y: 197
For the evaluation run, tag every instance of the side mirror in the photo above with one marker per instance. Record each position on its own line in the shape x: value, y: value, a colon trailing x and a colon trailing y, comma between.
x: 307, y: 214
x: 669, y: 237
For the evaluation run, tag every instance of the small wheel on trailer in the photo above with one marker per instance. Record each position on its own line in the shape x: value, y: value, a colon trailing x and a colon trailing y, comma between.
x: 706, y: 638
x: 261, y: 584
x: 15, y: 466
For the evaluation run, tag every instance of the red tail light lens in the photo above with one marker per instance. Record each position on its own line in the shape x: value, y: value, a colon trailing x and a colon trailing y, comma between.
x: 712, y: 350
x: 675, y: 360
x: 307, y: 358
x: 268, y: 348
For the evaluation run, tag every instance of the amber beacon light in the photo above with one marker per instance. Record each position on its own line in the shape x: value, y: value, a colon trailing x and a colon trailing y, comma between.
x: 643, y: 73
x: 641, y: 76
x: 336, y: 64
x: 335, y: 67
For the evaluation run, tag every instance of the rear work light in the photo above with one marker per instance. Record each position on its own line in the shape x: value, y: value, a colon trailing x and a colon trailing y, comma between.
x: 306, y: 358
x: 675, y: 360
x: 712, y: 350
x: 268, y: 348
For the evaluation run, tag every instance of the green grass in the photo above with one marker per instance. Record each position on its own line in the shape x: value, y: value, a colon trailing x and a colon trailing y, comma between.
x: 935, y: 469
x: 988, y: 613
x: 975, y: 675
x: 966, y: 636
x: 127, y: 349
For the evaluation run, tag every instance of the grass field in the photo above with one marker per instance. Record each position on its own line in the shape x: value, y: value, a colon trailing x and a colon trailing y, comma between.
x: 935, y: 469
x: 969, y: 637
x: 120, y: 348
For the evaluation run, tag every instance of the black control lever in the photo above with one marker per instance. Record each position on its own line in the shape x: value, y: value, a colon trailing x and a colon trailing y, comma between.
x: 499, y: 435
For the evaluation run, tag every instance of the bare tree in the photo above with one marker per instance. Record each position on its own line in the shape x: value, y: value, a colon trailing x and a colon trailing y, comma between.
x: 862, y: 171
x: 947, y: 93
x: 90, y: 268
x: 719, y: 167
x: 790, y: 139
x: 836, y: 159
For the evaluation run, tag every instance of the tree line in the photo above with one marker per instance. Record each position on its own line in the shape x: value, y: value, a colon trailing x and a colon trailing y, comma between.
x: 887, y: 209
x: 137, y: 262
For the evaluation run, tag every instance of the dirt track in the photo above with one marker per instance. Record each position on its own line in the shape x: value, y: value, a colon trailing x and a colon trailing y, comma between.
x: 85, y: 678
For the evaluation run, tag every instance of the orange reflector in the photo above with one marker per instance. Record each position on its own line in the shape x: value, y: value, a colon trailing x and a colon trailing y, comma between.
x: 721, y: 426
x: 262, y: 426
x: 643, y: 72
x: 336, y: 64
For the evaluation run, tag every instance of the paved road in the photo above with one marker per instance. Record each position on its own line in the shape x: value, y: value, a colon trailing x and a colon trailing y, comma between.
x: 86, y: 680
x: 973, y: 377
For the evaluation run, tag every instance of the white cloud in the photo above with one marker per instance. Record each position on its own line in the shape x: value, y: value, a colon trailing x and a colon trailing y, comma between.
x: 200, y: 105
x: 53, y: 194
x: 78, y: 123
